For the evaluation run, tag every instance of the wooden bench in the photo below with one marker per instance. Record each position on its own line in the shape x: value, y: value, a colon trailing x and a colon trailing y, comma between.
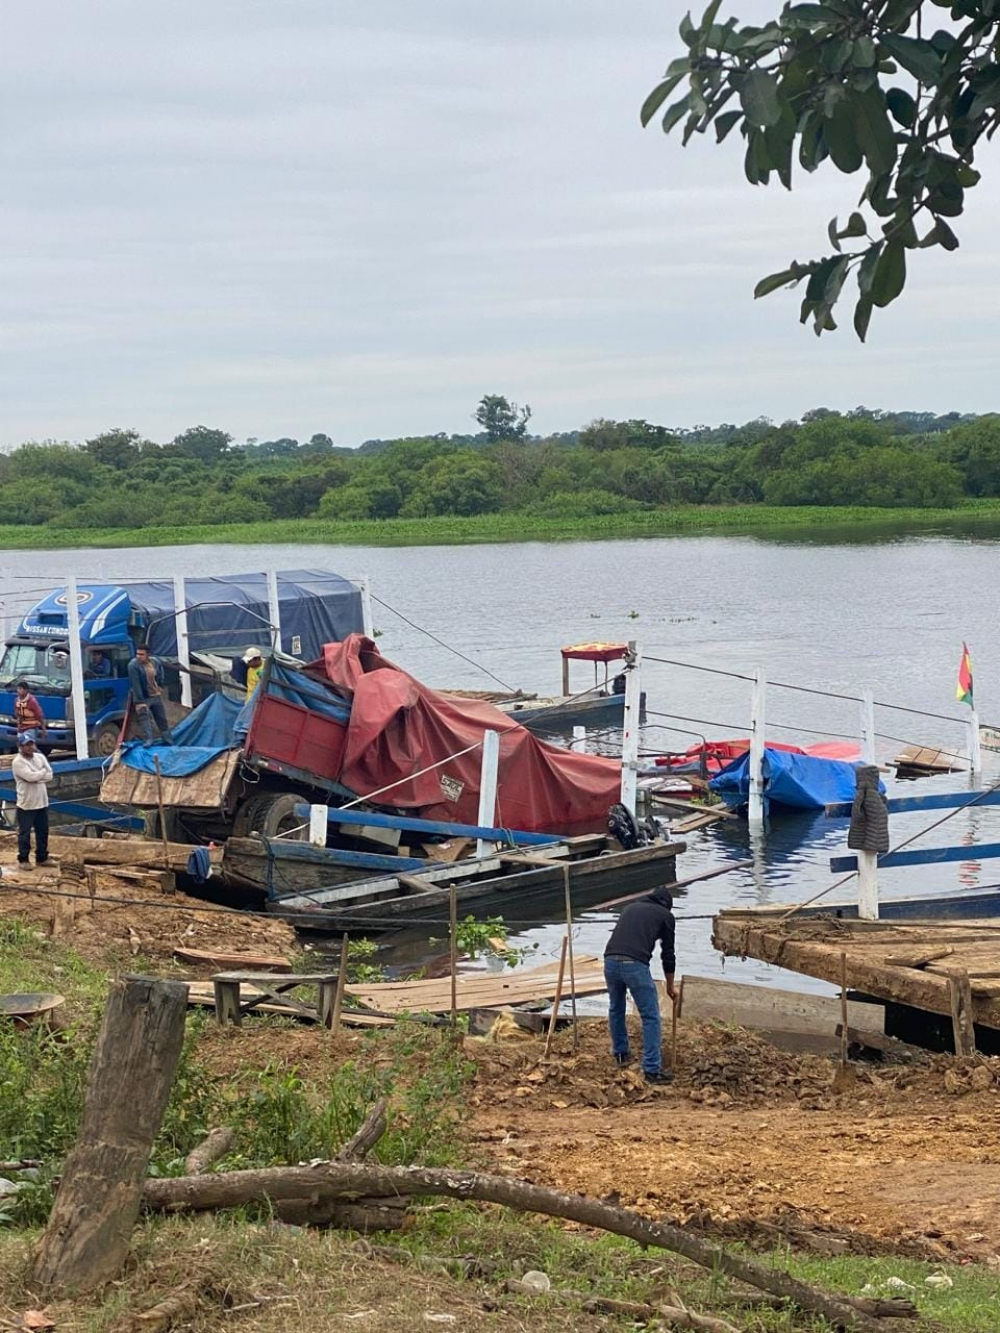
x: 271, y: 988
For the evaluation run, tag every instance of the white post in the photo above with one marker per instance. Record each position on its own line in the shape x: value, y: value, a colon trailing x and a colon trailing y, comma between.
x: 755, y: 812
x: 630, y: 726
x: 367, y: 614
x: 975, y: 753
x: 868, y: 886
x: 8, y: 581
x: 183, y: 642
x: 579, y: 740
x: 76, y: 669
x: 867, y: 728
x: 488, y: 788
x: 319, y: 823
x: 274, y: 609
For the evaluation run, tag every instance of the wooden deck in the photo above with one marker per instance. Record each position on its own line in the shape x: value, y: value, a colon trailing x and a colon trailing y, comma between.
x: 919, y: 963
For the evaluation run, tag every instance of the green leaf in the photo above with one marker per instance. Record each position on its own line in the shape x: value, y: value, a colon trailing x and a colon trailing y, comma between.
x: 941, y: 234
x: 772, y: 282
x: 812, y: 149
x: 834, y: 234
x: 759, y: 96
x: 708, y: 18
x: 966, y: 176
x: 864, y: 54
x: 840, y: 133
x: 856, y: 226
x: 862, y: 316
x: 916, y: 55
x: 875, y: 133
x: 657, y: 97
x: 810, y: 14
x: 835, y: 281
x: 867, y: 267
x: 687, y: 30
x: 902, y: 106
x: 725, y: 123
x: 675, y: 113
x: 890, y: 274
x: 820, y: 276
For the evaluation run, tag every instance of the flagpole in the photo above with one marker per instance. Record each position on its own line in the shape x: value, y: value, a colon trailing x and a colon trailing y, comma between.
x: 975, y: 753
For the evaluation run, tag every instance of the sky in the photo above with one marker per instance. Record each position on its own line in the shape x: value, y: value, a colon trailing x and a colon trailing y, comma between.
x: 359, y: 216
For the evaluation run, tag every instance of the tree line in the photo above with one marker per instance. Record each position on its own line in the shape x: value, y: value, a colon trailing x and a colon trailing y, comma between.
x: 870, y: 458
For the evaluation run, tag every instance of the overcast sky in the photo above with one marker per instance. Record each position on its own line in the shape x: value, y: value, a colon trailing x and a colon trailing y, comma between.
x: 358, y: 216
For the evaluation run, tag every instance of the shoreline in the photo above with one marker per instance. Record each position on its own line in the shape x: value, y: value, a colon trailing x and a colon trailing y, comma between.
x: 688, y: 520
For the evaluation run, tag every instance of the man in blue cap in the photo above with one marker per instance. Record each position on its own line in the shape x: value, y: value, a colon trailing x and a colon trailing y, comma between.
x: 641, y: 925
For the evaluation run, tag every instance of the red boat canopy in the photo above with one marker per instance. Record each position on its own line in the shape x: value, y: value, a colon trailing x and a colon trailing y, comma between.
x: 596, y: 652
x: 399, y: 727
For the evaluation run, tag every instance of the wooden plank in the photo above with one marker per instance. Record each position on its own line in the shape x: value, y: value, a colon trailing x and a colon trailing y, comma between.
x: 478, y: 990
x: 960, y: 996
x: 983, y: 851
x: 773, y: 1010
x: 204, y: 790
x: 220, y: 959
x: 878, y: 1041
x: 360, y: 890
x: 202, y: 994
x: 269, y: 979
x: 112, y: 851
x: 449, y: 830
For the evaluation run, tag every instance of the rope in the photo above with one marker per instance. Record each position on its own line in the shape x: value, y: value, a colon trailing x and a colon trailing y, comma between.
x: 471, y: 661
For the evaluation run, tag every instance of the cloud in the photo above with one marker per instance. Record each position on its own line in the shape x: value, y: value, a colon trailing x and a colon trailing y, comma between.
x: 358, y: 218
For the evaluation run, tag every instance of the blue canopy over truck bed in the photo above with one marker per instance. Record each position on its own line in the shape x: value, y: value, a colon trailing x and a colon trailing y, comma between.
x: 225, y: 614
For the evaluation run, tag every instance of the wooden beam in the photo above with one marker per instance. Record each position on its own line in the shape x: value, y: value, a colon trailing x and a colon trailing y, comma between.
x: 88, y: 1234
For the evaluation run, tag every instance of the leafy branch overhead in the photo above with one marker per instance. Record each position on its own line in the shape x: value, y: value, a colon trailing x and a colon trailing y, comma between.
x: 858, y: 83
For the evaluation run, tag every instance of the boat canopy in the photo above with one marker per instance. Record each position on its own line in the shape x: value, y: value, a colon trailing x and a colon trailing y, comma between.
x: 596, y: 652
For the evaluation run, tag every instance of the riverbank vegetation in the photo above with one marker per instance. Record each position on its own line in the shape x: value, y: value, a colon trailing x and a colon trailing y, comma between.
x: 610, y: 478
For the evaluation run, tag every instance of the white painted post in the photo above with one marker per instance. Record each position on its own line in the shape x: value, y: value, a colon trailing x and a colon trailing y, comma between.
x: 630, y: 726
x: 274, y: 609
x: 579, y: 740
x: 975, y: 752
x: 488, y: 776
x: 319, y: 823
x: 76, y: 669
x: 755, y: 812
x: 183, y: 641
x: 868, y: 886
x: 367, y: 614
x: 8, y: 581
x: 867, y: 728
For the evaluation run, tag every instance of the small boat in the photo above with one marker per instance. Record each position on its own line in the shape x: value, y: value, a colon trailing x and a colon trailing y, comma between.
x: 602, y: 705
x: 793, y: 780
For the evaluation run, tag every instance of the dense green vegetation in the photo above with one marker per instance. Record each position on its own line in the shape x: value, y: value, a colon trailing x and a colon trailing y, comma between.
x: 623, y: 476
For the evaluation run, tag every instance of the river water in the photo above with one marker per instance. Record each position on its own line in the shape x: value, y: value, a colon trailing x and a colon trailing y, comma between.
x: 838, y: 610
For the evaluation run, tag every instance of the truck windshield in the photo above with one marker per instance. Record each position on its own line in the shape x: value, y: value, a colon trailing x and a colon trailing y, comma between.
x: 39, y: 664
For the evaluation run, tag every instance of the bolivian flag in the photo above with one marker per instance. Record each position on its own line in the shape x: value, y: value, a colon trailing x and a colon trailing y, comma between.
x: 963, y: 690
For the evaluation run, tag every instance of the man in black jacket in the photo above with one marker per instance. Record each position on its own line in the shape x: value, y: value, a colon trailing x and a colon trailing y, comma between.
x: 626, y: 970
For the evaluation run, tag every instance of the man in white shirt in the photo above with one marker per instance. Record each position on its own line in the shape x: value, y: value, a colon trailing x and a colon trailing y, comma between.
x: 31, y: 773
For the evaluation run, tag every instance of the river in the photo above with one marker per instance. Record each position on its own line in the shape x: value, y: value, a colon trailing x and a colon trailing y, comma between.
x: 838, y: 611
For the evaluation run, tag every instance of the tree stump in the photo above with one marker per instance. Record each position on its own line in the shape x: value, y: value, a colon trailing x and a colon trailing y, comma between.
x: 139, y: 1044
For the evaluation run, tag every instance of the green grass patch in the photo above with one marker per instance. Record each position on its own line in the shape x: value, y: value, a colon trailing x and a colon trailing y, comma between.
x: 505, y: 527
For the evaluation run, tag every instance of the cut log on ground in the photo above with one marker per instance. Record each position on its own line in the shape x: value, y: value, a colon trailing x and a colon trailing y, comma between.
x: 96, y: 1208
x: 215, y: 1145
x: 336, y: 1180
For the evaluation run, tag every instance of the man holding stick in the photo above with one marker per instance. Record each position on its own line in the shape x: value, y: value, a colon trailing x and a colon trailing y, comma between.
x: 640, y: 926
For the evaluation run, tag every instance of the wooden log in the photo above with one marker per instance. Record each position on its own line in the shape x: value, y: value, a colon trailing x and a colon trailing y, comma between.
x: 138, y: 1046
x: 361, y: 1215
x: 336, y: 1180
x: 215, y: 1145
x: 878, y: 1041
x: 960, y: 992
x: 114, y: 851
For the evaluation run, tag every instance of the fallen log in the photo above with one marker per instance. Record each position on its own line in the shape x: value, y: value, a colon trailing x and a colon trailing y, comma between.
x: 215, y: 1145
x: 337, y: 1180
x: 363, y: 1214
x: 371, y: 1130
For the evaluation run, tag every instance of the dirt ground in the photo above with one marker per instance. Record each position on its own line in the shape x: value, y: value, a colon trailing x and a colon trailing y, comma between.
x: 757, y: 1140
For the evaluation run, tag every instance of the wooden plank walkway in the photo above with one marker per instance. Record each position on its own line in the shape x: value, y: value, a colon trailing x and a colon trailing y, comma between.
x: 913, y: 963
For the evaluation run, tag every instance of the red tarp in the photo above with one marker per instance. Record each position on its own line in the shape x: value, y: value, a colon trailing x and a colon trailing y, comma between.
x: 399, y: 726
x: 596, y: 652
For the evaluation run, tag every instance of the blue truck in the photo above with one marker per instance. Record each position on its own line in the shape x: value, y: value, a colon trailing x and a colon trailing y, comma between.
x: 225, y: 615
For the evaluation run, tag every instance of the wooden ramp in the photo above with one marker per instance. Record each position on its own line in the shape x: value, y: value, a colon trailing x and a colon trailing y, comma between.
x: 920, y: 963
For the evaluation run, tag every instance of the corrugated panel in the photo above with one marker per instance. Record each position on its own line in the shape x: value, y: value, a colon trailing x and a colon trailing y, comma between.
x: 297, y: 737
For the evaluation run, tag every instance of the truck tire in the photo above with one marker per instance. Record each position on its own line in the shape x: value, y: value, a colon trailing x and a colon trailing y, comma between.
x: 106, y: 739
x: 271, y: 814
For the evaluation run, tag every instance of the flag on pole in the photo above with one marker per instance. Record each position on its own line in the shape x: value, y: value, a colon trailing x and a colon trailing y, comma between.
x: 963, y: 690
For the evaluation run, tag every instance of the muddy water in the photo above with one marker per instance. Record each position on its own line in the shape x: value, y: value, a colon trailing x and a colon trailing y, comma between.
x: 840, y: 611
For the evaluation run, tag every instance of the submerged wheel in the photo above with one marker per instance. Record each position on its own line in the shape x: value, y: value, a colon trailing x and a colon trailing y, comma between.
x: 272, y: 815
x: 106, y: 739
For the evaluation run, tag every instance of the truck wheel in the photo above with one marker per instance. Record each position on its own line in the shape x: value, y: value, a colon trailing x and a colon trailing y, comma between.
x: 272, y: 815
x: 106, y: 739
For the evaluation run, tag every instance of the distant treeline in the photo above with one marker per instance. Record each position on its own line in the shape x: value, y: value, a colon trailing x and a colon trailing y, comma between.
x: 864, y: 457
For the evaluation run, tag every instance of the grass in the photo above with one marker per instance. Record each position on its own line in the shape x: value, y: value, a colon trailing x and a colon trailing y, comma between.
x: 507, y: 527
x: 272, y: 1277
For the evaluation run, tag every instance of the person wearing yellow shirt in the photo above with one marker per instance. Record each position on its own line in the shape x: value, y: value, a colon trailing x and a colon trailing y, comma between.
x: 255, y: 665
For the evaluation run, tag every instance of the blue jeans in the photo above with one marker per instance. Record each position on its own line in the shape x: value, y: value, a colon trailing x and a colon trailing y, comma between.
x: 627, y: 975
x: 153, y: 711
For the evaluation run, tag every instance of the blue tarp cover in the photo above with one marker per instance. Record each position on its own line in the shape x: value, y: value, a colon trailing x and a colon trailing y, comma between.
x: 204, y: 734
x: 797, y: 781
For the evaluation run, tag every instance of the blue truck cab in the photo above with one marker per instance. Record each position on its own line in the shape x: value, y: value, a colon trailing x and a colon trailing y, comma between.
x: 111, y: 626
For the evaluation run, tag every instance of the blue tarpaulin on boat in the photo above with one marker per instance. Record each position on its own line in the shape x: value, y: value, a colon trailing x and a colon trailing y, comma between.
x: 796, y: 781
x: 208, y: 731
